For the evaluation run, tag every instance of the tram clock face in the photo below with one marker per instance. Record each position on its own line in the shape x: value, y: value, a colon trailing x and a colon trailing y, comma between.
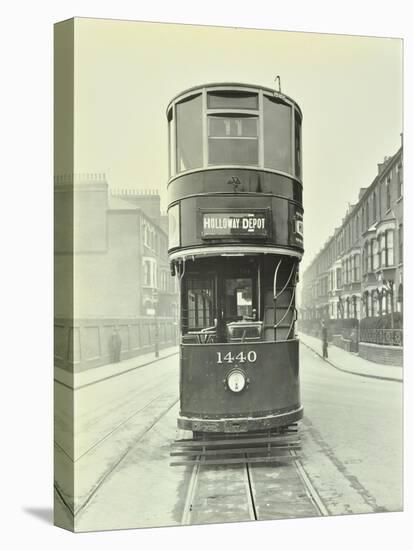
x: 236, y: 380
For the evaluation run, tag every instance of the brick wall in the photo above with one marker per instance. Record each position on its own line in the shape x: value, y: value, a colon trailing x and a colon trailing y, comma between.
x: 386, y: 355
x: 341, y: 342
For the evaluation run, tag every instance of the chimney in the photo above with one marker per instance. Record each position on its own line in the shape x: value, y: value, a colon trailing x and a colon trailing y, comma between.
x: 148, y: 200
x: 382, y: 165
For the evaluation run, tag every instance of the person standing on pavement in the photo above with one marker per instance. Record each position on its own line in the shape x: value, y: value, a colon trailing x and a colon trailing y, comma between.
x: 324, y: 339
x: 116, y: 345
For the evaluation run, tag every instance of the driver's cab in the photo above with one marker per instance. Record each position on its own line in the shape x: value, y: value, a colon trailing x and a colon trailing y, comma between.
x: 220, y: 301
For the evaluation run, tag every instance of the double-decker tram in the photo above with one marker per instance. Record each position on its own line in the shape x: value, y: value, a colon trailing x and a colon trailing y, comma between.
x: 236, y: 240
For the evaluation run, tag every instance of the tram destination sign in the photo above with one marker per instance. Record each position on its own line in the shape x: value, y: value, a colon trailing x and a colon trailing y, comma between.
x: 253, y: 223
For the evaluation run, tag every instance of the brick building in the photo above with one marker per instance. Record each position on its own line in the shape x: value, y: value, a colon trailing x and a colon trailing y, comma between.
x: 358, y: 274
x: 111, y: 272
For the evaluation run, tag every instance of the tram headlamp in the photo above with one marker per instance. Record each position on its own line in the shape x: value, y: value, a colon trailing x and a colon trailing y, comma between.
x: 236, y: 380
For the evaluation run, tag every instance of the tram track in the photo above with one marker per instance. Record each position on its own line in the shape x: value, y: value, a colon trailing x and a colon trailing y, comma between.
x: 255, y: 499
x: 76, y: 509
x: 109, y: 433
x: 311, y: 490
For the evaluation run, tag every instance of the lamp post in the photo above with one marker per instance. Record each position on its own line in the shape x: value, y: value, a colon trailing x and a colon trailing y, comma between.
x: 389, y: 287
x: 155, y: 308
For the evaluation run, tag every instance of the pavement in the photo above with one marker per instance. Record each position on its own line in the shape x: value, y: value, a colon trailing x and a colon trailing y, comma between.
x: 97, y: 374
x: 338, y: 358
x: 351, y: 362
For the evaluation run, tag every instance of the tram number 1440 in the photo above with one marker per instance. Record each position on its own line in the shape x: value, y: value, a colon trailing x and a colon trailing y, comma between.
x: 241, y: 357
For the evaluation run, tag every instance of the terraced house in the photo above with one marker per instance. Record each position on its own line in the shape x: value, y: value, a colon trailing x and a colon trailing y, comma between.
x: 355, y: 283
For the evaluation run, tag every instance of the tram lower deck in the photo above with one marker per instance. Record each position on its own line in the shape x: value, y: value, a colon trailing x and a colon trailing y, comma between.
x: 239, y: 355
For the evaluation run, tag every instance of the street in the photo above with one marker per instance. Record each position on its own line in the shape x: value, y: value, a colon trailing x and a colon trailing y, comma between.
x: 351, y: 450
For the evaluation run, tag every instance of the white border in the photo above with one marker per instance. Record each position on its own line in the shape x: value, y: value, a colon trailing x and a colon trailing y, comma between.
x: 27, y: 268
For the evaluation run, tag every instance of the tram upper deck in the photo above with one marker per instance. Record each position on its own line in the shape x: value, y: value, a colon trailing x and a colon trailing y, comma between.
x: 234, y: 125
x: 235, y: 172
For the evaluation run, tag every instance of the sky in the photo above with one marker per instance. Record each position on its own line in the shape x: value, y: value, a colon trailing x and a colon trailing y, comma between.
x: 349, y: 89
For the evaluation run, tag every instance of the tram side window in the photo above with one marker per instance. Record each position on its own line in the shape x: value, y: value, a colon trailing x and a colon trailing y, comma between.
x: 189, y: 134
x: 233, y: 139
x: 199, y: 304
x: 297, y: 146
x: 170, y: 155
x: 277, y: 135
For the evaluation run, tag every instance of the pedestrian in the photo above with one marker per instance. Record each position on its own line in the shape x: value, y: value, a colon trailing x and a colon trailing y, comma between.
x: 324, y: 339
x: 116, y: 345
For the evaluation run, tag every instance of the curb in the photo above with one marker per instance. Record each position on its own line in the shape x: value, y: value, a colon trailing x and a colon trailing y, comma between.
x: 74, y: 388
x: 375, y: 376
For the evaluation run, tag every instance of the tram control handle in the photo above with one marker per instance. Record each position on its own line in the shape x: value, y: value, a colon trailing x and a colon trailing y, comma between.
x: 206, y: 335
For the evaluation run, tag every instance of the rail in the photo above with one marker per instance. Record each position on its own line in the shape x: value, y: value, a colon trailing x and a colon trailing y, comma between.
x: 380, y: 336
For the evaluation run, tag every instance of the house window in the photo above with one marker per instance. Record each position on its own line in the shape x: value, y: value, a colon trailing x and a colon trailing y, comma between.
x: 390, y: 247
x: 149, y: 272
x: 399, y: 181
x: 400, y: 243
x: 374, y: 206
x: 164, y: 281
x: 338, y: 276
x: 356, y: 268
x: 376, y: 254
x: 382, y: 240
x: 388, y: 197
x: 371, y: 262
x: 366, y: 257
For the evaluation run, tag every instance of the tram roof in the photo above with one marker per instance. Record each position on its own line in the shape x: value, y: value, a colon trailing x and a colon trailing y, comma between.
x: 212, y: 85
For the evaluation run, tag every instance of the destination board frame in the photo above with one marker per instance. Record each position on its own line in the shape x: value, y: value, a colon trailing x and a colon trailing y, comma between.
x: 243, y: 213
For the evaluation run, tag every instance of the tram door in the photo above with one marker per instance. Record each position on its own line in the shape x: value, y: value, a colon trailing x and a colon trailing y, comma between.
x: 236, y: 296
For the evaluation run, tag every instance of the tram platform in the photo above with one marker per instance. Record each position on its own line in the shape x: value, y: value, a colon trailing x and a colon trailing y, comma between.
x: 110, y: 370
x: 350, y: 362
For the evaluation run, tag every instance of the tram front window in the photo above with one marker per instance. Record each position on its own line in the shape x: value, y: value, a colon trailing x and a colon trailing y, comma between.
x: 238, y: 299
x: 233, y: 139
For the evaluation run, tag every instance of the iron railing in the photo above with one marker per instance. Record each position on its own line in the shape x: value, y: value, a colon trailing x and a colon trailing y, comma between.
x: 381, y: 336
